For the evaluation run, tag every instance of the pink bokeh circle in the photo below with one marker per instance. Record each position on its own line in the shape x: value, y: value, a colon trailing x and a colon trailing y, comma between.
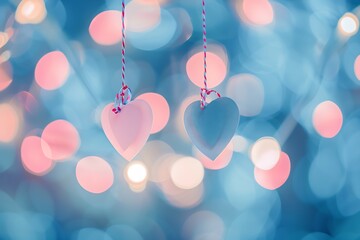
x: 62, y: 138
x: 52, y: 70
x: 274, y: 178
x: 159, y: 107
x: 327, y: 119
x: 216, y: 69
x: 258, y: 12
x: 105, y: 28
x: 33, y: 156
x: 94, y: 174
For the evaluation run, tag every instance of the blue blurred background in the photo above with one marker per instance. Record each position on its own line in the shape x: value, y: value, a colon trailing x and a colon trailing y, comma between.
x: 291, y: 66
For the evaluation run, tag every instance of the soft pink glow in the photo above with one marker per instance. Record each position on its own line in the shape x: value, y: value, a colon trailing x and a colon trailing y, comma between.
x: 160, y: 109
x: 142, y: 15
x: 357, y: 67
x: 33, y: 158
x: 105, y: 28
x: 9, y: 123
x: 128, y: 130
x: 52, y: 70
x: 275, y: 177
x: 216, y: 68
x: 94, y: 174
x: 259, y: 12
x: 220, y: 162
x: 5, y: 76
x: 327, y: 119
x: 62, y: 138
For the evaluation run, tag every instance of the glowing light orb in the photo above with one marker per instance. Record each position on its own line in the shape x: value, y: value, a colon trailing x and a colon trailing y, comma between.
x: 238, y: 89
x: 258, y: 12
x: 52, y: 70
x: 30, y: 11
x: 327, y: 119
x: 220, y: 161
x: 105, y: 28
x: 265, y: 153
x: 348, y: 24
x: 9, y: 123
x: 33, y: 156
x: 357, y: 67
x: 136, y: 172
x: 274, y: 178
x: 142, y: 15
x: 216, y: 68
x: 5, y: 76
x: 94, y: 174
x: 187, y: 173
x: 160, y: 109
x: 62, y: 138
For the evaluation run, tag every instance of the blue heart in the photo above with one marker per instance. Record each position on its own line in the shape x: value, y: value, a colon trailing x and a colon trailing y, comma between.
x: 211, y: 129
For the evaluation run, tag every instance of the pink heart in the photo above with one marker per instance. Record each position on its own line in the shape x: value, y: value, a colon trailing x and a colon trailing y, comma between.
x: 128, y: 130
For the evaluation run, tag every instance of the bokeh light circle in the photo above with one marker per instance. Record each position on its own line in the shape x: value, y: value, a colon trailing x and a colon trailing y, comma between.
x: 33, y: 156
x: 142, y: 15
x: 9, y: 123
x: 105, y: 28
x: 265, y: 153
x: 327, y: 119
x: 52, y: 70
x: 348, y: 24
x: 160, y: 109
x: 187, y: 173
x: 216, y: 69
x: 257, y: 12
x: 248, y: 93
x: 62, y: 138
x: 136, y: 172
x: 94, y: 174
x: 30, y: 11
x: 150, y: 40
x: 274, y: 178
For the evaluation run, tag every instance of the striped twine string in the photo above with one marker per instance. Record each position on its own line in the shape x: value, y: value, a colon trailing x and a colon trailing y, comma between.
x: 120, y: 96
x: 205, y: 91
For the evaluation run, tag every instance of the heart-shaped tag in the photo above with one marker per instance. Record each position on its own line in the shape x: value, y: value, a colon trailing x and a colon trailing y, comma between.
x: 129, y: 129
x: 211, y: 129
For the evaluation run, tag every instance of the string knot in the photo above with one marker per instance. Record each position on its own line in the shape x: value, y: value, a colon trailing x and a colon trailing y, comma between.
x: 205, y: 92
x: 122, y: 98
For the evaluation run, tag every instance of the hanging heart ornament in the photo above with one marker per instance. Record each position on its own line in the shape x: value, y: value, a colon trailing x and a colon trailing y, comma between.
x: 212, y: 128
x: 129, y: 129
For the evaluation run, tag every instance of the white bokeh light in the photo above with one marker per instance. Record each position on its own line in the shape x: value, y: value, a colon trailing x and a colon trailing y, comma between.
x: 265, y: 153
x: 348, y: 24
x: 136, y: 172
x: 187, y: 173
